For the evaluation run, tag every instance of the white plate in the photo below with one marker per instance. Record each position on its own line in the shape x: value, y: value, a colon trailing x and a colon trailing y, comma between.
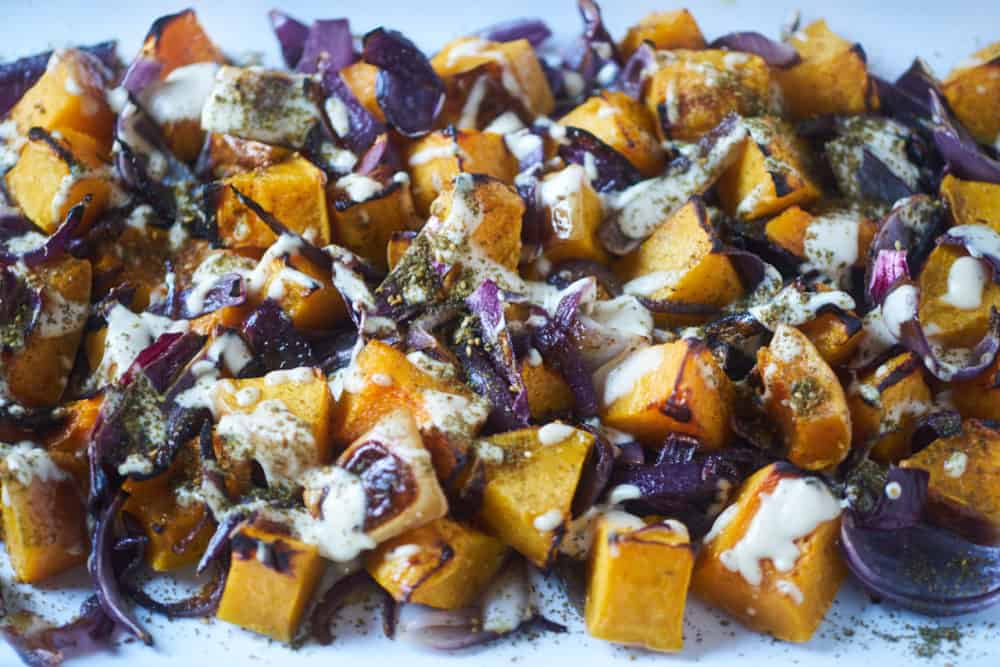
x: 856, y: 631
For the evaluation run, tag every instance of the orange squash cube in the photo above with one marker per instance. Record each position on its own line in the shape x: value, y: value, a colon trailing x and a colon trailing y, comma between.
x: 972, y: 89
x: 972, y: 202
x: 625, y: 125
x: 675, y: 29
x: 637, y: 583
x: 954, y: 319
x: 365, y: 227
x: 573, y: 212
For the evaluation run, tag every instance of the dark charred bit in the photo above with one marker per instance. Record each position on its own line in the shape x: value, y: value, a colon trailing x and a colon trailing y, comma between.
x: 781, y: 185
x: 40, y: 134
x: 387, y: 480
x: 445, y: 554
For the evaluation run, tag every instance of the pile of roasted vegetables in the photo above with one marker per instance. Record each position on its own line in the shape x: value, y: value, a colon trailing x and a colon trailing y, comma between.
x: 711, y: 317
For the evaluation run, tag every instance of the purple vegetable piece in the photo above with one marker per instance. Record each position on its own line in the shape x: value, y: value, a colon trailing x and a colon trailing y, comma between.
x: 142, y: 72
x: 596, y: 475
x: 912, y: 225
x: 12, y: 225
x: 980, y: 241
x: 380, y: 161
x: 333, y: 599
x: 486, y: 304
x: 631, y: 76
x: 961, y: 153
x: 775, y: 54
x: 614, y: 171
x: 407, y: 88
x: 56, y: 245
x: 364, y: 128
x: 204, y: 603
x: 106, y: 579
x: 933, y: 426
x: 534, y: 30
x: 18, y: 76
x: 878, y: 181
x: 595, y: 48
x: 910, y: 563
x: 890, y: 268
x: 329, y: 41
x: 20, y: 308
x: 555, y: 340
x: 291, y: 34
x: 228, y: 290
x: 164, y: 360
x: 43, y: 645
x: 272, y: 336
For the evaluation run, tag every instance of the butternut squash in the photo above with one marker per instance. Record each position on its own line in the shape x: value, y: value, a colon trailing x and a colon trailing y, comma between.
x: 573, y: 213
x: 675, y: 29
x: 972, y: 202
x: 365, y: 227
x: 952, y: 322
x: 625, y: 125
x: 804, y: 397
x: 972, y: 89
x: 443, y: 564
x: 637, y: 582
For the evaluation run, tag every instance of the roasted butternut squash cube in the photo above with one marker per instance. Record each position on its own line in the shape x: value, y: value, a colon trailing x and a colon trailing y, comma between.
x: 886, y: 404
x: 224, y: 155
x: 397, y: 475
x: 443, y: 564
x: 178, y: 532
x: 979, y: 397
x: 675, y: 29
x: 293, y: 191
x: 43, y: 517
x: 435, y: 160
x: 548, y: 393
x: 68, y: 445
x: 972, y: 89
x: 956, y: 295
x: 822, y: 239
x: 692, y: 91
x: 637, y: 582
x: 831, y: 78
x: 682, y: 262
x: 674, y: 387
x: 365, y: 224
x: 69, y: 96
x: 573, y: 213
x: 137, y: 256
x: 530, y: 480
x: 772, y: 559
x: 304, y: 291
x: 836, y: 335
x: 37, y: 374
x: 399, y: 243
x: 383, y: 379
x: 360, y: 78
x: 498, y: 210
x: 803, y: 396
x: 54, y: 173
x: 281, y: 421
x: 962, y: 492
x: 771, y: 173
x: 972, y: 202
x: 271, y: 579
x: 518, y: 69
x: 176, y: 40
x: 625, y: 125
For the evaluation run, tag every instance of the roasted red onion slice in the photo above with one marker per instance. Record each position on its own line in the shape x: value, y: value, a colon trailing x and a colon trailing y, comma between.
x: 534, y: 30
x: 776, y: 54
x: 962, y: 154
x: 890, y: 267
x: 612, y: 171
x: 632, y: 75
x: 911, y: 226
x: 407, y: 88
x: 291, y: 34
x: 43, y: 645
x: 56, y: 245
x: 329, y: 41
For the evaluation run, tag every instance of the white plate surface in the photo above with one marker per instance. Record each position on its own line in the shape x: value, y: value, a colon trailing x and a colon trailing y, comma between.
x: 855, y: 632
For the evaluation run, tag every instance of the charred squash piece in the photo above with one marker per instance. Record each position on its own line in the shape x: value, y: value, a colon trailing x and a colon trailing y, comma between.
x: 548, y: 393
x: 515, y: 64
x: 177, y: 40
x: 366, y: 225
x: 771, y: 174
x: 69, y: 96
x: 793, y: 229
x: 435, y: 159
x: 625, y: 125
x: 531, y: 476
x: 54, y: 173
x: 972, y: 89
x: 804, y: 397
x: 293, y: 191
x: 224, y: 155
x: 304, y: 291
x: 443, y: 564
x: 836, y: 334
x: 675, y: 29
x: 979, y: 397
x: 784, y: 596
x: 963, y: 495
x: 886, y: 404
x: 43, y: 517
x: 683, y: 263
x: 68, y: 445
x: 674, y: 387
x: 832, y: 77
x: 37, y: 374
x: 271, y: 567
x: 637, y: 582
x: 692, y: 91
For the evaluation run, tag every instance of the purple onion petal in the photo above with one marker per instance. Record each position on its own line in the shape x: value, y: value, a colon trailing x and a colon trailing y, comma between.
x: 534, y: 30
x: 329, y: 41
x: 614, y: 171
x: 890, y: 267
x: 962, y: 154
x: 776, y: 54
x: 291, y: 34
x: 632, y: 75
x: 407, y: 88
